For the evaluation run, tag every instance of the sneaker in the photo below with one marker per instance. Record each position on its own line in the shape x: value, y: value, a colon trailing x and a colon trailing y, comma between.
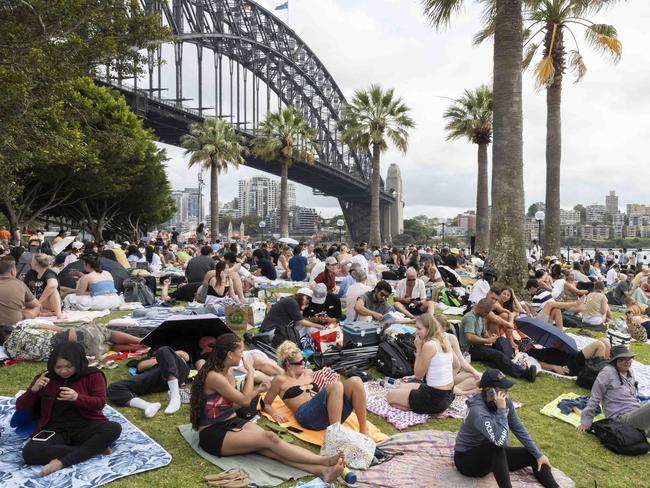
x: 530, y: 374
x: 185, y: 394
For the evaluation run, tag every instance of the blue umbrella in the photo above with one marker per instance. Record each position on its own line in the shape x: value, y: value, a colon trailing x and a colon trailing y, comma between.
x: 546, y: 335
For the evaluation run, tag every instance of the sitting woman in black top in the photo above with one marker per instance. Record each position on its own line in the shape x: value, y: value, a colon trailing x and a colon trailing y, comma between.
x: 219, y: 284
x: 71, y: 425
x: 44, y: 284
x: 222, y: 433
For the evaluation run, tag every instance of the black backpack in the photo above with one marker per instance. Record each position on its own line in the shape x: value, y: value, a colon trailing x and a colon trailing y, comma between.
x: 620, y: 438
x: 391, y: 359
x: 286, y: 332
x: 136, y: 290
x: 589, y: 372
x: 407, y: 343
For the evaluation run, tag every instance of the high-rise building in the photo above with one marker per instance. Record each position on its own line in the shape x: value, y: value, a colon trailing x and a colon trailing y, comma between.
x: 394, y: 185
x: 467, y: 220
x: 569, y: 217
x: 596, y: 213
x: 260, y: 196
x: 611, y: 203
x: 187, y: 209
x: 638, y: 209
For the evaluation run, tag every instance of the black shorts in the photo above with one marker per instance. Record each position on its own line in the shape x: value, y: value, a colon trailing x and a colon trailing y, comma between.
x: 211, y: 438
x: 575, y: 362
x: 429, y: 400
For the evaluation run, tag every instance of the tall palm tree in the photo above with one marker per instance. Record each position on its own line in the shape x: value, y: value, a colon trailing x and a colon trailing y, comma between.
x: 507, y: 245
x: 372, y: 119
x: 547, y: 22
x: 214, y: 145
x: 286, y: 137
x: 470, y: 117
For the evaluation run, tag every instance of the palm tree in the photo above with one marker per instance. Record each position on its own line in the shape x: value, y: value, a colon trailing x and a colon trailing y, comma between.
x: 507, y: 245
x: 547, y: 23
x: 285, y: 136
x: 471, y: 117
x: 372, y: 119
x: 214, y: 145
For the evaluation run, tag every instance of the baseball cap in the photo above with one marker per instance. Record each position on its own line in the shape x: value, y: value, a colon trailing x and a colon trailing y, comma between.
x: 320, y: 294
x: 331, y: 260
x: 495, y: 379
x: 305, y: 291
x: 77, y: 245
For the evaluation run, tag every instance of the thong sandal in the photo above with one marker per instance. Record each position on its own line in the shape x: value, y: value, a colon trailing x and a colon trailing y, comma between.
x: 231, y: 474
x: 241, y: 482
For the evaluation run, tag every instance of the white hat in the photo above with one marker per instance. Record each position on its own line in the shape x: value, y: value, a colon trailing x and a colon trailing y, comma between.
x: 305, y: 291
x: 126, y: 243
x: 77, y: 245
x: 320, y: 294
x: 110, y: 245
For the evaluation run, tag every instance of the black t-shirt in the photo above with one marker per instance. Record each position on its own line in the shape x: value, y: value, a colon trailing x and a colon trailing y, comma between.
x: 268, y: 270
x: 37, y: 285
x: 284, y: 311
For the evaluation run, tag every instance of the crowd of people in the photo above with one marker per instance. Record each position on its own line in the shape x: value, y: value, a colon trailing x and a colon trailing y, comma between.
x: 333, y: 283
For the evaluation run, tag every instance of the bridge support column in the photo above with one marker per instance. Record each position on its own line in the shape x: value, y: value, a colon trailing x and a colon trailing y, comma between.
x: 385, y: 215
x: 357, y: 219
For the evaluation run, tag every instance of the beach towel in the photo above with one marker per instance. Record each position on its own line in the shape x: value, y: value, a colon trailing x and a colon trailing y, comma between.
x: 424, y: 459
x: 134, y: 452
x: 80, y: 316
x: 316, y: 436
x: 552, y: 410
x: 261, y: 470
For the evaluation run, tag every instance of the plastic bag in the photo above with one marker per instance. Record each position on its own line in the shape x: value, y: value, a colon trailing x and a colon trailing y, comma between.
x: 359, y: 449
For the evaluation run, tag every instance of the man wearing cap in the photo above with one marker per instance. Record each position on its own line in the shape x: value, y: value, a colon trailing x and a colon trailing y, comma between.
x: 324, y: 307
x: 75, y: 250
x: 288, y: 310
x: 411, y: 296
x: 328, y: 275
x: 482, y: 442
x: 616, y: 390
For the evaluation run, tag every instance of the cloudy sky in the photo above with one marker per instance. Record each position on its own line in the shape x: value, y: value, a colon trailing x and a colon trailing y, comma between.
x: 361, y: 42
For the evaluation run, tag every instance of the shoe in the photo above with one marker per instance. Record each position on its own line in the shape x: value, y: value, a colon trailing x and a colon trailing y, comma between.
x: 530, y: 374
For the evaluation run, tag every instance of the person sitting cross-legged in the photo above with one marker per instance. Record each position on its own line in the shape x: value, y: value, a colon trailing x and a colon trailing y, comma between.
x: 474, y: 339
x: 411, y: 296
x: 546, y: 307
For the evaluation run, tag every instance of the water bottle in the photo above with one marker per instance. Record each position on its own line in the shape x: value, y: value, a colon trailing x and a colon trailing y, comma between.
x: 349, y: 476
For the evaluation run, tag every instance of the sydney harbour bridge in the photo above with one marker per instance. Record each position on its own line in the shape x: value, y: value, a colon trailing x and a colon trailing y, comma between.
x: 235, y: 60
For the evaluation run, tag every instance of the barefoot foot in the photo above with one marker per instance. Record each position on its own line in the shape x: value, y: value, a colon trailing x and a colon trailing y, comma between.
x: 332, y: 472
x: 51, y: 467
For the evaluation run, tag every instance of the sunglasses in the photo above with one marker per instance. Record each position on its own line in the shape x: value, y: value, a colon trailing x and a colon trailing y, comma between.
x: 383, y: 294
x: 298, y: 363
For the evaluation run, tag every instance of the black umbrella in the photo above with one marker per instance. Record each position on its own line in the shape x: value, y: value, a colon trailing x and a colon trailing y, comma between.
x: 546, y: 335
x: 116, y: 270
x: 184, y: 331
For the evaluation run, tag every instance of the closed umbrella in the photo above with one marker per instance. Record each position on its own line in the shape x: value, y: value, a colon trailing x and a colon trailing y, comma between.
x: 546, y: 335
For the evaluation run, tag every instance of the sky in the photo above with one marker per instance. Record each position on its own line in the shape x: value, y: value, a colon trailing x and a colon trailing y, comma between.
x: 604, y: 117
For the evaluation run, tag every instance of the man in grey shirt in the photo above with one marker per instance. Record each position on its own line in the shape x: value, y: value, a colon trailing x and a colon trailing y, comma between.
x: 372, y: 305
x: 198, y: 266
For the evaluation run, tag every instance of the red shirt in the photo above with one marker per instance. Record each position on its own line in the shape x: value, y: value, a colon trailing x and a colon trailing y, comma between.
x: 328, y: 279
x: 90, y: 402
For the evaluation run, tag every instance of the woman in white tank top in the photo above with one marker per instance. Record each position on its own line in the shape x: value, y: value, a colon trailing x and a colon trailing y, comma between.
x: 434, y: 366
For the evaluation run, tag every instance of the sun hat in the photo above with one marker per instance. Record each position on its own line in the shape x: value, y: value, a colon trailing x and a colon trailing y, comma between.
x: 305, y: 291
x: 331, y: 260
x: 320, y: 294
x: 77, y: 245
x: 619, y: 352
x: 493, y: 378
x: 109, y: 245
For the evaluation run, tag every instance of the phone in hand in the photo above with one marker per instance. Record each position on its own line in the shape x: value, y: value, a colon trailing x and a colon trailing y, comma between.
x: 43, y: 435
x: 490, y: 395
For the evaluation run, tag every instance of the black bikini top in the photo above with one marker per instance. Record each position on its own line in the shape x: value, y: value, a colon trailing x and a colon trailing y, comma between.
x: 296, y: 391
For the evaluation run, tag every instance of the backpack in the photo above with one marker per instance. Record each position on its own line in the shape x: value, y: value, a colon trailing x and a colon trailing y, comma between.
x: 286, y: 332
x: 620, y: 438
x: 449, y: 297
x: 391, y: 359
x: 407, y: 343
x: 587, y: 375
x: 136, y: 290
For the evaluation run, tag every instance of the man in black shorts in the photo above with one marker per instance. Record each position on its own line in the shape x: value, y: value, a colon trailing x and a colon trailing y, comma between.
x: 565, y: 363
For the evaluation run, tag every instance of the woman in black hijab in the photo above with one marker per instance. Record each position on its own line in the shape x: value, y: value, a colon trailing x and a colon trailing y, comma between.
x: 68, y: 400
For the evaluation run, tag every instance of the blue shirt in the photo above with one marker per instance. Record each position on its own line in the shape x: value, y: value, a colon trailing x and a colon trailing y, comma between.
x: 267, y: 268
x: 345, y: 284
x: 298, y: 268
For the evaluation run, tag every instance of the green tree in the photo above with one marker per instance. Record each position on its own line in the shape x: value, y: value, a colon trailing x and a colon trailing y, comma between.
x: 470, y: 117
x: 547, y: 23
x: 214, y: 145
x: 583, y: 212
x: 373, y: 118
x: 507, y: 244
x: 284, y: 136
x: 532, y: 210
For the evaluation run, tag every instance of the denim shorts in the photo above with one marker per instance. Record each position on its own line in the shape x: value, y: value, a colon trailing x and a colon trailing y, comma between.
x: 312, y: 414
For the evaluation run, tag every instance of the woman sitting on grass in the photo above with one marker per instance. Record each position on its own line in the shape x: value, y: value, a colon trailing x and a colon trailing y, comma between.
x: 71, y: 397
x: 314, y: 408
x: 466, y: 377
x: 434, y: 365
x: 213, y: 407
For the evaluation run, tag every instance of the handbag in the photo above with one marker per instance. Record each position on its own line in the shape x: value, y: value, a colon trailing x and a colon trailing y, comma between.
x: 359, y: 449
x: 328, y: 338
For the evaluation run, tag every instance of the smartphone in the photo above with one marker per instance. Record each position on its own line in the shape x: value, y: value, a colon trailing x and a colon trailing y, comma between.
x: 490, y: 395
x: 43, y: 435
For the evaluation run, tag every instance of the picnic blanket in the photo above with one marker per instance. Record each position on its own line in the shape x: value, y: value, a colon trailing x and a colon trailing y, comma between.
x: 425, y: 459
x: 261, y: 470
x: 552, y: 410
x: 316, y: 436
x: 134, y: 452
x: 79, y: 316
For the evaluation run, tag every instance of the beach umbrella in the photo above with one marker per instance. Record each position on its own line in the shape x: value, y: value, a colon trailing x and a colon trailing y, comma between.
x: 546, y: 335
x: 288, y: 240
x: 62, y: 244
x: 184, y: 331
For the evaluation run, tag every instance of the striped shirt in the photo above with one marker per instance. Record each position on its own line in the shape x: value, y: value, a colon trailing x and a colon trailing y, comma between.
x: 540, y: 298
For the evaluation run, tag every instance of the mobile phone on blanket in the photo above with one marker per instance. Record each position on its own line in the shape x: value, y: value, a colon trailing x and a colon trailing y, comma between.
x: 43, y: 435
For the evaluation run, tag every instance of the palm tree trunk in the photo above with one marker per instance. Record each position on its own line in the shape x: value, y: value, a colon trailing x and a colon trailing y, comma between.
x: 507, y: 245
x: 551, y: 243
x: 284, y: 201
x: 482, y: 220
x: 375, y: 235
x: 214, y: 202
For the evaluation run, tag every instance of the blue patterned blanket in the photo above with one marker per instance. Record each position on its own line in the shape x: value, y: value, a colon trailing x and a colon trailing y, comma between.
x: 134, y: 452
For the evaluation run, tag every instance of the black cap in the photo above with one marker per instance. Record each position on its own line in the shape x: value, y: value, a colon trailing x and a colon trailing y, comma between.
x: 493, y: 378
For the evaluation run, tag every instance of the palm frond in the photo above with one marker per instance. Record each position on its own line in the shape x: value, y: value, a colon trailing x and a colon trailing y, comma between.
x: 604, y: 38
x: 577, y: 64
x: 470, y: 116
x: 529, y: 54
x: 544, y: 72
x: 439, y: 12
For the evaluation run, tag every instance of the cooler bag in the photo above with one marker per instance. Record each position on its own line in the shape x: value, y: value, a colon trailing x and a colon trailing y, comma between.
x: 362, y: 333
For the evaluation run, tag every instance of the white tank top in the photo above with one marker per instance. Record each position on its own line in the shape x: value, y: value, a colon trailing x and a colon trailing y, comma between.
x: 441, y: 369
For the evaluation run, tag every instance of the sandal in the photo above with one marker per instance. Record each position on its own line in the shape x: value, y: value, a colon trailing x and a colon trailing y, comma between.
x: 224, y: 476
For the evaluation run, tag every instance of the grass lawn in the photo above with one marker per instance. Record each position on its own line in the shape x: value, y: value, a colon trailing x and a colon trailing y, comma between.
x: 579, y: 455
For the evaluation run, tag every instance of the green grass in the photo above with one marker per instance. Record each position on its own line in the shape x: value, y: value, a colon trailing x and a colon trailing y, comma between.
x: 579, y: 455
